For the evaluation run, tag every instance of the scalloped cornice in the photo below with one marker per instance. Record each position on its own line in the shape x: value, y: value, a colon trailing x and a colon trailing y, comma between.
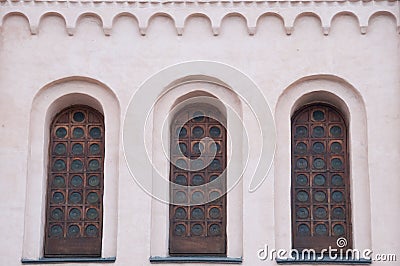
x: 215, y: 10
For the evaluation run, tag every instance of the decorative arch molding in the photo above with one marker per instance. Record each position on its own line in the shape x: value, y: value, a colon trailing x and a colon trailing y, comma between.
x: 50, y: 100
x: 337, y: 92
x: 109, y: 11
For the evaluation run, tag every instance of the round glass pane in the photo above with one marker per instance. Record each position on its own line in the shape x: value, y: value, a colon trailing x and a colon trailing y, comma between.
x: 58, y: 197
x: 181, y: 132
x: 59, y: 165
x: 56, y: 230
x: 92, y: 197
x: 319, y: 163
x: 302, y: 180
x: 94, y: 165
x: 318, y: 132
x: 92, y: 214
x: 91, y: 230
x: 58, y: 181
x: 215, y: 165
x: 77, y: 149
x: 95, y: 132
x: 215, y: 147
x: 61, y: 132
x: 214, y: 195
x: 198, y: 116
x: 301, y: 148
x: 181, y: 180
x: 197, y: 214
x: 213, y: 177
x: 302, y: 163
x: 78, y: 132
x: 338, y: 213
x: 76, y: 181
x: 336, y: 163
x: 303, y: 230
x: 60, y: 149
x: 214, y: 213
x: 197, y: 164
x: 180, y: 197
x: 320, y: 196
x: 301, y: 132
x: 75, y: 197
x: 197, y: 197
x: 337, y: 196
x: 338, y: 230
x: 94, y: 149
x: 336, y: 147
x: 57, y: 214
x: 197, y: 180
x: 302, y: 196
x: 318, y: 147
x: 321, y: 229
x: 214, y: 230
x: 180, y: 163
x: 180, y: 213
x: 198, y: 148
x: 320, y: 213
x: 76, y: 165
x: 337, y: 180
x: 336, y: 131
x: 215, y: 132
x: 181, y: 148
x: 319, y: 180
x: 73, y: 231
x: 198, y: 132
x: 180, y: 230
x: 197, y: 229
x: 318, y: 115
x: 75, y: 214
x: 94, y: 180
x: 302, y: 213
x: 79, y: 117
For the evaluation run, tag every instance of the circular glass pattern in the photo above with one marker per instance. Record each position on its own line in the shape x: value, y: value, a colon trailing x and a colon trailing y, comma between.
x: 94, y: 165
x: 94, y: 180
x: 180, y: 230
x: 302, y: 196
x: 181, y: 163
x: 75, y: 214
x: 75, y: 197
x: 180, y: 197
x: 215, y: 147
x: 319, y: 163
x: 336, y: 163
x: 318, y: 115
x: 56, y: 230
x: 76, y: 165
x: 76, y: 181
x: 181, y: 148
x: 197, y: 214
x: 91, y: 230
x: 302, y: 213
x: 336, y: 147
x: 94, y: 149
x: 58, y: 181
x: 57, y: 214
x: 58, y: 197
x: 59, y: 165
x: 95, y: 132
x: 320, y: 196
x: 301, y: 132
x: 303, y: 230
x: 302, y: 180
x: 77, y: 148
x: 181, y: 180
x: 318, y: 147
x: 338, y: 230
x: 302, y: 163
x: 92, y: 214
x: 197, y: 197
x: 198, y: 132
x: 92, y: 197
x: 78, y: 132
x: 198, y: 147
x: 301, y: 148
x: 61, y: 132
x: 214, y: 195
x: 215, y: 132
x: 197, y: 164
x: 180, y: 213
x: 197, y: 229
x: 336, y: 131
x: 79, y: 117
x: 73, y: 231
x: 214, y: 213
x: 197, y: 180
x: 320, y: 213
x: 60, y: 149
x: 318, y: 132
x: 213, y: 177
x: 337, y: 196
x: 321, y: 229
x: 181, y: 132
x: 337, y: 180
x: 319, y: 180
x: 214, y: 230
x: 215, y: 165
x: 198, y: 116
x: 338, y: 213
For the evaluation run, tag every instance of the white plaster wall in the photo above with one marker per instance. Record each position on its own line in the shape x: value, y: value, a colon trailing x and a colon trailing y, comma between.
x: 273, y: 60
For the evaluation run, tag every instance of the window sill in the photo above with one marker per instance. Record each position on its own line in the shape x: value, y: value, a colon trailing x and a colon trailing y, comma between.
x: 62, y: 260
x: 360, y: 261
x: 195, y: 259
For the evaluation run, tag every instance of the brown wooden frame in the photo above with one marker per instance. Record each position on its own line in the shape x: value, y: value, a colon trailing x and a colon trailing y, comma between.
x: 74, y: 206
x: 320, y: 184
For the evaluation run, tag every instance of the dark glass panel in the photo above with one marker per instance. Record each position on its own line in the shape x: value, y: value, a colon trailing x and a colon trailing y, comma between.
x: 197, y: 229
x: 94, y: 165
x: 91, y: 230
x: 336, y: 163
x: 78, y: 132
x: 92, y: 214
x: 197, y: 197
x: 318, y: 147
x: 301, y: 148
x: 92, y: 197
x: 338, y: 213
x: 198, y: 132
x: 181, y: 148
x: 76, y: 165
x: 319, y: 180
x: 198, y: 116
x: 214, y: 230
x: 181, y: 132
x: 79, y: 117
x: 197, y: 164
x: 302, y: 213
x: 57, y: 214
x: 197, y: 180
x: 180, y: 163
x: 58, y: 197
x: 319, y: 163
x: 197, y: 214
x: 336, y: 147
x: 320, y: 196
x: 198, y: 147
x: 180, y: 230
x: 94, y: 180
x: 56, y: 230
x: 318, y: 132
x: 336, y: 131
x: 302, y: 180
x: 75, y: 214
x: 215, y: 132
x: 337, y: 180
x: 303, y: 230
x: 75, y: 197
x: 58, y: 181
x: 320, y: 213
x: 302, y: 163
x: 180, y: 213
x: 214, y: 195
x: 301, y: 132
x: 59, y: 165
x: 95, y: 132
x: 181, y: 180
x: 338, y: 230
x: 60, y: 149
x: 180, y: 197
x: 61, y: 132
x: 337, y: 196
x: 73, y: 231
x: 215, y: 147
x: 94, y: 149
x: 318, y: 115
x: 77, y: 149
x: 76, y: 181
x: 215, y: 165
x: 214, y: 213
x: 302, y: 196
x: 321, y: 229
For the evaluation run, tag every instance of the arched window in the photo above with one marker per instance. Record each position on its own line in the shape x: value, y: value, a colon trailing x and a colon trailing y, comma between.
x: 197, y: 174
x: 321, y: 209
x: 74, y: 207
